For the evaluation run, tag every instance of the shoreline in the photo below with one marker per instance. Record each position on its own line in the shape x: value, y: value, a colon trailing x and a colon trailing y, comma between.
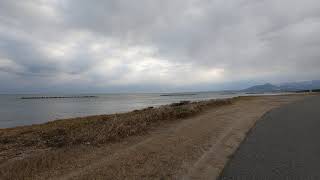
x: 20, y: 112
x: 123, y: 112
x: 43, y: 149
x: 174, y: 104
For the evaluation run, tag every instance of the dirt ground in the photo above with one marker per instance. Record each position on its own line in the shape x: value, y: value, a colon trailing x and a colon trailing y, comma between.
x: 193, y: 148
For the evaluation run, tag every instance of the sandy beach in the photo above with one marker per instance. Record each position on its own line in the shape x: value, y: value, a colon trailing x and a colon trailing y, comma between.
x: 178, y: 141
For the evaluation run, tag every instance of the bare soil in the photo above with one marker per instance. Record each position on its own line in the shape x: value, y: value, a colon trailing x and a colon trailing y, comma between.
x: 194, y: 145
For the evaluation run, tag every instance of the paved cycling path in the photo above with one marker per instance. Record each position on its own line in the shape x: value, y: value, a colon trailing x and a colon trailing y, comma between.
x: 285, y: 144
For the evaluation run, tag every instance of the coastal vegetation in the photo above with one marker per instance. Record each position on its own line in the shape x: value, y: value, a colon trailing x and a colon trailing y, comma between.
x: 53, y: 138
x: 100, y: 129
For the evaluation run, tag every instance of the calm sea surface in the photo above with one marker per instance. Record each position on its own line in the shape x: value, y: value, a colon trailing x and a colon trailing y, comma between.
x: 15, y: 111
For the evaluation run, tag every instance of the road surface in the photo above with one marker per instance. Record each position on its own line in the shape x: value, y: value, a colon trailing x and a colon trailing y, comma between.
x: 284, y: 144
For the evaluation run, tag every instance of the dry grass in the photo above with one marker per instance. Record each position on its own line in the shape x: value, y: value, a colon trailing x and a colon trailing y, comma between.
x: 30, y: 166
x: 100, y: 129
x: 57, y: 136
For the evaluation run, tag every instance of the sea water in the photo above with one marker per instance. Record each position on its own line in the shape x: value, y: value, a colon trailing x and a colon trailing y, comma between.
x: 15, y: 111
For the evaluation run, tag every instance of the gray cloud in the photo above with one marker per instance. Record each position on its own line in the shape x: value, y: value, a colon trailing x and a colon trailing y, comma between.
x: 145, y: 45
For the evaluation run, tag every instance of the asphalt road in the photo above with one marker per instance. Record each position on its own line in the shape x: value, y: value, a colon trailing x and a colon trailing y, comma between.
x: 284, y: 145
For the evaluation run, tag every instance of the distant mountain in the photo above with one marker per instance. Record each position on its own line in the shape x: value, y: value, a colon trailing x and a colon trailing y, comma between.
x: 303, y: 85
x: 291, y: 86
x: 262, y: 88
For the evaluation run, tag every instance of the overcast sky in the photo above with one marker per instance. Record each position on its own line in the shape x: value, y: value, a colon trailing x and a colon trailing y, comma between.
x: 156, y: 45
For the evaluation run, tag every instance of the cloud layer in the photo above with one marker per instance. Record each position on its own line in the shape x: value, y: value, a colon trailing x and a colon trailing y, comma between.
x: 168, y: 45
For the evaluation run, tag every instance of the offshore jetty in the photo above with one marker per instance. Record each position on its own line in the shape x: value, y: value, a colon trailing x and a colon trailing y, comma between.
x: 57, y: 97
x: 179, y: 94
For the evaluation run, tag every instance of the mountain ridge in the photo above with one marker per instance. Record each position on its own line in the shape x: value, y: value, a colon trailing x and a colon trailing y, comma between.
x: 284, y: 87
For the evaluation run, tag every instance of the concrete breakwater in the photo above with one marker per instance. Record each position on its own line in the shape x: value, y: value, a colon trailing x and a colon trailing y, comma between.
x: 57, y: 97
x: 179, y: 94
